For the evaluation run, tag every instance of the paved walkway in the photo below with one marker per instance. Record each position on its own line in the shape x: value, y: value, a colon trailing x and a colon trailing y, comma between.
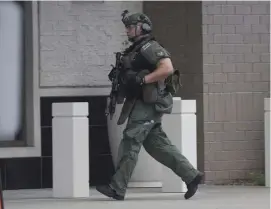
x: 208, y: 197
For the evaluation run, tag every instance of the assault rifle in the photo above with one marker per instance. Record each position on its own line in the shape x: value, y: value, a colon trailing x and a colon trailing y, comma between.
x: 114, y: 78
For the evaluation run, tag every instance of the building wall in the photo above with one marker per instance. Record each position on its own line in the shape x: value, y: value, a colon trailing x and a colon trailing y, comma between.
x: 221, y: 49
x: 236, y: 76
x: 183, y: 39
x: 78, y: 41
x: 76, y: 45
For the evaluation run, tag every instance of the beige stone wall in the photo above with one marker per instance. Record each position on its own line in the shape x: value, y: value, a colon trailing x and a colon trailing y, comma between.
x: 236, y: 77
x: 221, y: 49
x: 78, y: 40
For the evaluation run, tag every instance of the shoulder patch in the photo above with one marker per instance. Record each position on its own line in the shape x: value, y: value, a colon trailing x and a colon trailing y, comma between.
x: 146, y: 46
x: 153, y: 52
x: 160, y: 54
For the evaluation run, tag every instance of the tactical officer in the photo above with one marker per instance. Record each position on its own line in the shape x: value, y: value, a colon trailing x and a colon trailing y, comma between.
x: 147, y: 65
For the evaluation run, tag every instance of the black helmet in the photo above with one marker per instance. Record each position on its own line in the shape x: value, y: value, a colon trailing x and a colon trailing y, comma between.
x: 133, y: 19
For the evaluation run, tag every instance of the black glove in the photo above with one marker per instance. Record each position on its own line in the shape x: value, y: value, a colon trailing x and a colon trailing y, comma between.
x: 137, y: 80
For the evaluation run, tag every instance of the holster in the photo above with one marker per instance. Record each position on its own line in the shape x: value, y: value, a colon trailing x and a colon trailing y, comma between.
x: 156, y: 94
x: 164, y: 103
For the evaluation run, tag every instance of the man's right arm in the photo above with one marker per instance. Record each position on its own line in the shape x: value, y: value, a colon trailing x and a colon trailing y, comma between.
x: 158, y: 56
x: 163, y: 70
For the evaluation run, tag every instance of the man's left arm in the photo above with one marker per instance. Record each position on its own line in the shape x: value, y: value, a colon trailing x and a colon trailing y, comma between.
x: 163, y: 70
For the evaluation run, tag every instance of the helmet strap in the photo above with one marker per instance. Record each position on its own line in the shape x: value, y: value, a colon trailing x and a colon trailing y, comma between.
x: 137, y: 36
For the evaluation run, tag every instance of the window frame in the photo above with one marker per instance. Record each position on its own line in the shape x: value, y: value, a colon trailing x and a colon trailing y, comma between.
x: 30, y: 144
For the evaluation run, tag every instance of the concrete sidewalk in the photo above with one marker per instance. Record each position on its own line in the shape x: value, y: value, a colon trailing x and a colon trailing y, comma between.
x: 208, y: 197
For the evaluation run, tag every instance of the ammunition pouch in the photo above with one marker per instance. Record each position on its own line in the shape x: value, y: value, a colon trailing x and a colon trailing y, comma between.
x: 164, y: 103
x: 128, y: 59
x: 156, y: 94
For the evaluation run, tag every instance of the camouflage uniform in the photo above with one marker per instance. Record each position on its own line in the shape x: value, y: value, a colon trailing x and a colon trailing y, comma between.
x: 144, y: 107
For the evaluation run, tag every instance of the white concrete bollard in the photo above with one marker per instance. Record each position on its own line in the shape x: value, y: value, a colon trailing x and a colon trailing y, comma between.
x: 180, y: 127
x: 267, y: 139
x: 70, y: 150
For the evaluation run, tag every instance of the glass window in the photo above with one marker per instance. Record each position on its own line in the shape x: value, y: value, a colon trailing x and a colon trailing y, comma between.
x: 11, y: 71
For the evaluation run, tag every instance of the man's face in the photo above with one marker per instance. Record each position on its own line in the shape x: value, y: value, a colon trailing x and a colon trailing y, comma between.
x: 133, y: 31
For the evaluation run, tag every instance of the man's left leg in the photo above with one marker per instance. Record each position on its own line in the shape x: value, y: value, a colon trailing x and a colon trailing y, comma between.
x: 160, y: 148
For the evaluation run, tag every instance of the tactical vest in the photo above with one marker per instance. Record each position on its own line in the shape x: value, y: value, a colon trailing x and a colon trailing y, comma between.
x: 135, y: 62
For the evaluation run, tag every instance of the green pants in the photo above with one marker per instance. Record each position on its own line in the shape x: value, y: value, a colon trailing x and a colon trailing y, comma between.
x: 144, y: 128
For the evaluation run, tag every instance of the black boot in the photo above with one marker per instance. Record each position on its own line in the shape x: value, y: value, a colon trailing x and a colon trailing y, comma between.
x: 109, y: 192
x: 192, y: 187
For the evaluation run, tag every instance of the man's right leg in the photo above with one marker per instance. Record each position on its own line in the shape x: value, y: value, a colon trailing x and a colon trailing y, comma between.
x: 127, y: 157
x: 133, y: 137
